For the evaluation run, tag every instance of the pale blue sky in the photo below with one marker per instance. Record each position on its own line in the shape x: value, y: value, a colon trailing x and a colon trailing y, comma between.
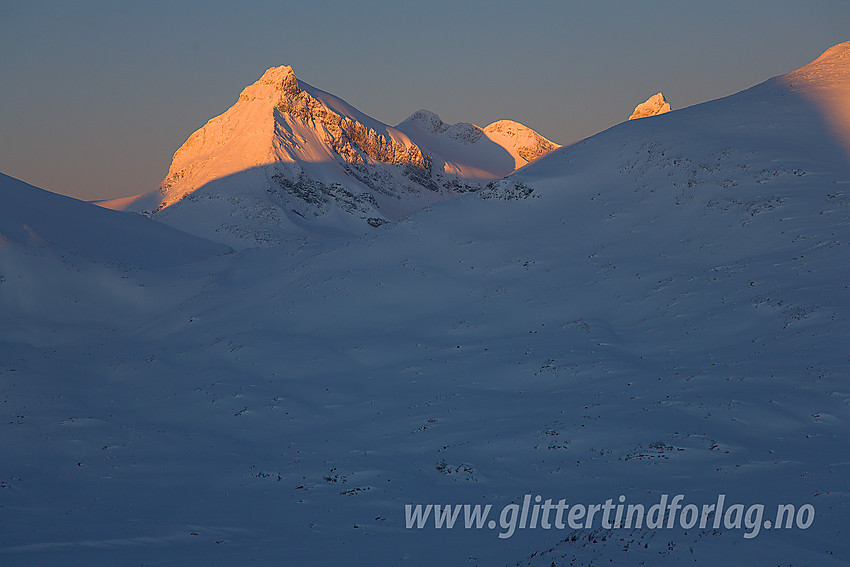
x: 96, y: 96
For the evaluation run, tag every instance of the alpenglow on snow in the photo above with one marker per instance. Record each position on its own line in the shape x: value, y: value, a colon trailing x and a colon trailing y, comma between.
x: 289, y: 161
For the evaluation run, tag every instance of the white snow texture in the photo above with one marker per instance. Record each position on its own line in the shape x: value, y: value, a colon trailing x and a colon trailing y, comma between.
x: 662, y: 308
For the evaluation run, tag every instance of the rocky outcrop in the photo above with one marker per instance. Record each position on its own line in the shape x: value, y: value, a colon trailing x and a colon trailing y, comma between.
x: 653, y: 106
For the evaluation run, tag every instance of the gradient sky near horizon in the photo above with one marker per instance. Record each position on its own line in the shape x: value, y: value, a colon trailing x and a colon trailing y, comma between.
x: 95, y: 97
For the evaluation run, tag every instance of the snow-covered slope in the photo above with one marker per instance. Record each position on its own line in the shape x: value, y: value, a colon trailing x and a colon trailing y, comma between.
x: 34, y: 218
x: 289, y: 161
x: 659, y: 309
x: 653, y: 106
x: 826, y: 83
x: 67, y: 266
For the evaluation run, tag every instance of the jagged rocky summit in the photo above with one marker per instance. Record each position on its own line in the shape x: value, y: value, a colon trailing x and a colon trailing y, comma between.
x: 289, y: 161
x: 654, y: 105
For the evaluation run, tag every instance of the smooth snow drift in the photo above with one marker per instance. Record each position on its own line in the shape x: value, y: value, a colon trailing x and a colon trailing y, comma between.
x: 33, y: 218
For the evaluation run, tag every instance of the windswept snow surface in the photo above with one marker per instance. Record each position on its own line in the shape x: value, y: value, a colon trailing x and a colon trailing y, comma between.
x: 659, y: 309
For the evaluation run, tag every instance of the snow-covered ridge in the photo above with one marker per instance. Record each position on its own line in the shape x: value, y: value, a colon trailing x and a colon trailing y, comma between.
x: 429, y: 122
x: 288, y: 160
x: 517, y: 138
x: 292, y: 125
x: 826, y: 82
x: 528, y: 144
x: 831, y: 69
x: 32, y: 218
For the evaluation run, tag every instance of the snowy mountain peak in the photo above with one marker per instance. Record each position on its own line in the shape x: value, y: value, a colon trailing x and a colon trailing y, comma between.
x: 840, y: 51
x: 289, y: 161
x: 529, y: 144
x: 282, y: 77
x: 826, y: 83
x: 284, y: 149
x: 654, y: 105
x: 837, y: 55
x: 509, y: 127
x: 275, y: 83
x: 425, y: 120
x: 430, y: 123
x: 832, y: 68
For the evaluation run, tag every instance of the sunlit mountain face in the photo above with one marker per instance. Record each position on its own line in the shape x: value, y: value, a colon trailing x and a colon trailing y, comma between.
x: 658, y: 310
x: 826, y: 83
x: 290, y: 162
